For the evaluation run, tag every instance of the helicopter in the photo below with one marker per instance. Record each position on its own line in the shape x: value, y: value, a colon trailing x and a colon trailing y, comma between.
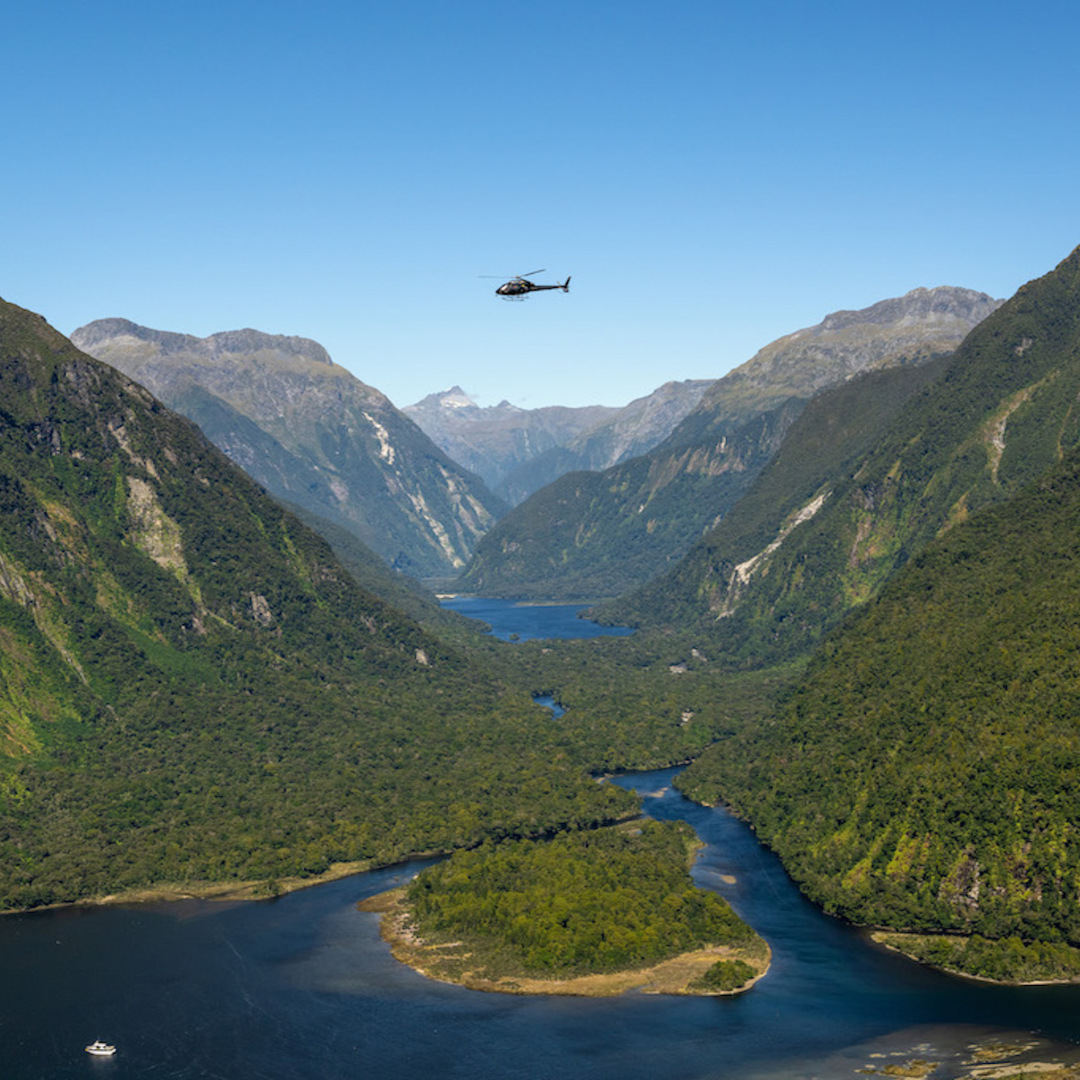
x: 519, y: 287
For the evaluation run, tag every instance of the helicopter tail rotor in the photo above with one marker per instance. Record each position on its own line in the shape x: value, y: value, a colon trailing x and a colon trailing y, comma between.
x: 565, y: 286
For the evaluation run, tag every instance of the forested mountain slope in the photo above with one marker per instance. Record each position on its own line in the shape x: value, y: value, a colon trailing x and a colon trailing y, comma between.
x: 926, y: 775
x: 595, y: 534
x: 604, y: 534
x: 1003, y: 411
x: 627, y: 433
x: 828, y: 440
x: 312, y: 434
x: 192, y: 687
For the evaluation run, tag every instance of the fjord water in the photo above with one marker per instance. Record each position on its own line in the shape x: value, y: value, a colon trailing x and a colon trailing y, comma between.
x: 302, y: 988
x: 509, y: 620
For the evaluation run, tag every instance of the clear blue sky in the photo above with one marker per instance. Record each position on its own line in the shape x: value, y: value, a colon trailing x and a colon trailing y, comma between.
x: 713, y: 175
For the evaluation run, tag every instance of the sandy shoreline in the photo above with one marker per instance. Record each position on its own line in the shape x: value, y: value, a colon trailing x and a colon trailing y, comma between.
x: 668, y: 977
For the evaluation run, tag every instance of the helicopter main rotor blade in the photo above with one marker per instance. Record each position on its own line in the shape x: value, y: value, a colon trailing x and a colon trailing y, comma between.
x: 512, y: 277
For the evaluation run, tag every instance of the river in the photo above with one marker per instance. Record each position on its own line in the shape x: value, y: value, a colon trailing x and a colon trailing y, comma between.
x: 302, y: 988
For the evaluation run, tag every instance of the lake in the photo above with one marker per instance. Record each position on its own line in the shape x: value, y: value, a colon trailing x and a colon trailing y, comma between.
x: 303, y: 988
x: 510, y: 620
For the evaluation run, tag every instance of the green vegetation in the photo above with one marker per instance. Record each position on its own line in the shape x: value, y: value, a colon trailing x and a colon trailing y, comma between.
x: 194, y: 690
x: 1006, y: 960
x: 925, y: 775
x: 724, y: 976
x: 596, y: 534
x: 592, y: 901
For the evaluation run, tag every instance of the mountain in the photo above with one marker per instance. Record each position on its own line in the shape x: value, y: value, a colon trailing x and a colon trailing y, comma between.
x: 192, y: 687
x: 908, y: 329
x: 627, y: 433
x: 922, y: 774
x: 590, y: 536
x: 313, y: 435
x: 1000, y: 413
x: 925, y: 775
x: 826, y: 442
x: 595, y: 534
x: 496, y: 440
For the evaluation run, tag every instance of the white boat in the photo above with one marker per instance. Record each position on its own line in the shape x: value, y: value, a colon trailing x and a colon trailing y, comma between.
x: 100, y: 1049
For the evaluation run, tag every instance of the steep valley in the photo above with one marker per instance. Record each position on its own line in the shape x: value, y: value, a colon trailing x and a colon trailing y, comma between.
x: 600, y: 534
x: 871, y: 656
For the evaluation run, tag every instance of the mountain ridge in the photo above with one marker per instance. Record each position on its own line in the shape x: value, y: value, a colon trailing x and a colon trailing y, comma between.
x: 591, y: 538
x: 339, y: 447
x: 997, y: 414
x: 496, y: 440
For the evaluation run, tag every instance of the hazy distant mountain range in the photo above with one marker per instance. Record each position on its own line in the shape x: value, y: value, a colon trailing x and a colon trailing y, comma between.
x: 313, y: 435
x: 603, y: 533
x: 518, y: 451
x: 495, y: 440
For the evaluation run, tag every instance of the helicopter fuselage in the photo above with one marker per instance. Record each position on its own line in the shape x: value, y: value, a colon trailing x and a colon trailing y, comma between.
x: 519, y: 288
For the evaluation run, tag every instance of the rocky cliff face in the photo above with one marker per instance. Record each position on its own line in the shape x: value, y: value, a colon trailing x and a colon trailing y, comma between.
x: 313, y: 435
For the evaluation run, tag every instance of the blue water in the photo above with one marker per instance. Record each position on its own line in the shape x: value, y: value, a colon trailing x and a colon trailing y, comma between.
x: 302, y: 988
x: 513, y: 621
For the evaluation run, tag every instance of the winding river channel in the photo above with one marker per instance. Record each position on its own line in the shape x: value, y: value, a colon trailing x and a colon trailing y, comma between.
x: 302, y: 988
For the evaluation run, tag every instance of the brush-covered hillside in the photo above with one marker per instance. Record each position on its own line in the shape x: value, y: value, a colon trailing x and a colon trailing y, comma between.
x: 193, y: 689
x: 1000, y: 413
x: 926, y: 774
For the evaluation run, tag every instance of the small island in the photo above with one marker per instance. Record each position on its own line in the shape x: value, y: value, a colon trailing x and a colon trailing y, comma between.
x: 593, y: 913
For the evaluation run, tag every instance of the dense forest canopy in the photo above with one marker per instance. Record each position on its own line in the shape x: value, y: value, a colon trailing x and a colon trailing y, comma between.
x: 925, y: 773
x: 195, y: 689
x: 591, y: 901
